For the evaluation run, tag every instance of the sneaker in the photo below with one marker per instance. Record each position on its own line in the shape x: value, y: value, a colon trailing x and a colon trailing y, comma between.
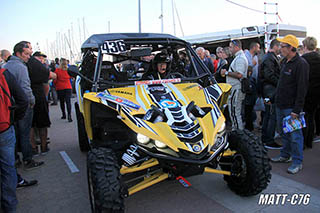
x: 280, y: 159
x: 276, y: 135
x: 44, y: 152
x: 24, y: 183
x: 31, y: 164
x: 35, y: 152
x: 273, y: 145
x: 293, y: 169
x: 316, y: 139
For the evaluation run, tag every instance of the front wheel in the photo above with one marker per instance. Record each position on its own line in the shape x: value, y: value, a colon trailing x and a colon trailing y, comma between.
x: 250, y: 166
x: 105, y: 188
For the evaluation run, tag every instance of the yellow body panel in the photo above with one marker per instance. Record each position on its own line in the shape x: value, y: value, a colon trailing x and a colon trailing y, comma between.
x: 183, y: 92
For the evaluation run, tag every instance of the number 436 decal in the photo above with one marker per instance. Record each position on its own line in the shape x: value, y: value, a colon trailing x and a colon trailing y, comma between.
x: 113, y: 47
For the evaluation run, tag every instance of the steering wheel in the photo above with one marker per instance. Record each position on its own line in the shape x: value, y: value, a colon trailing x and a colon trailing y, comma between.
x: 174, y: 75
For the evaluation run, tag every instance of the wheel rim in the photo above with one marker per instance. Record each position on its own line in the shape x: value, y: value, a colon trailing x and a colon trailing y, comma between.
x: 238, y: 169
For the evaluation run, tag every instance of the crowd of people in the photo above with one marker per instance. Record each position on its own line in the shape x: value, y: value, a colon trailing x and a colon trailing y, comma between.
x: 283, y: 82
x: 26, y: 80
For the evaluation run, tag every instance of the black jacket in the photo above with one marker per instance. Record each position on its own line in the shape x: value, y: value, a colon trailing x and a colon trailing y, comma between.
x: 313, y: 59
x: 20, y: 98
x: 269, y: 73
x: 293, y: 84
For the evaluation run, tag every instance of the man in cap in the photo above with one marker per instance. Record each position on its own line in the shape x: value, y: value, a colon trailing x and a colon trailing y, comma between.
x: 289, y: 99
x: 39, y: 75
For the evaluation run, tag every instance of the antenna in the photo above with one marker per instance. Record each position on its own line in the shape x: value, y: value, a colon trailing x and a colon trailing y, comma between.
x: 174, y: 23
x: 139, y: 15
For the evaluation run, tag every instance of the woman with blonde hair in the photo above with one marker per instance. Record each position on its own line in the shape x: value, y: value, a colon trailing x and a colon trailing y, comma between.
x: 63, y: 87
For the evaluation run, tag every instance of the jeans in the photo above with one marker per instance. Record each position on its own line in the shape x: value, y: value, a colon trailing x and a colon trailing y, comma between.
x: 8, y: 171
x: 23, y: 134
x: 65, y: 97
x: 269, y: 124
x: 292, y: 143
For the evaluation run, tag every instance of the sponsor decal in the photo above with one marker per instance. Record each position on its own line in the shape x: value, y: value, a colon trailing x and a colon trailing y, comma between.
x: 183, y: 181
x: 157, y: 88
x: 118, y: 100
x: 196, y: 148
x: 164, y: 81
x: 166, y: 103
x: 121, y: 92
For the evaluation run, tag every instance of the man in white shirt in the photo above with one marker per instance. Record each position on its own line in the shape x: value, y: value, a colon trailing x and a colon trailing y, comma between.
x: 237, y: 70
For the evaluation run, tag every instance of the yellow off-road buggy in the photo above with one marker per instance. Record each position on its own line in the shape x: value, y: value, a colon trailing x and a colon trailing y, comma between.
x: 141, y: 131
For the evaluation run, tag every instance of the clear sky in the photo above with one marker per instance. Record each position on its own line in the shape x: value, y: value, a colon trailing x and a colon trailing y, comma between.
x: 41, y: 21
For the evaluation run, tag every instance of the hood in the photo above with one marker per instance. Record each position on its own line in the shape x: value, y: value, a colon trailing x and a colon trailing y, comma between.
x: 183, y: 116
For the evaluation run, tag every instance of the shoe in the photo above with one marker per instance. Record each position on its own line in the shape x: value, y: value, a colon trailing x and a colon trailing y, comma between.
x: 35, y: 152
x: 293, y: 169
x: 276, y: 135
x: 69, y: 118
x: 63, y: 116
x: 273, y: 145
x: 44, y: 152
x: 316, y: 139
x: 280, y: 159
x: 53, y: 104
x: 24, y: 183
x: 31, y: 164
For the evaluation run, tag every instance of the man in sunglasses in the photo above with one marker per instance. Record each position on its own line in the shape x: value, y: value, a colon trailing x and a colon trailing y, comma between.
x: 238, y: 69
x: 289, y: 99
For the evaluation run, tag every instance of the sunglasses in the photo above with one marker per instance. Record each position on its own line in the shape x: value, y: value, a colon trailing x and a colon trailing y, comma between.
x: 283, y: 46
x: 234, y: 43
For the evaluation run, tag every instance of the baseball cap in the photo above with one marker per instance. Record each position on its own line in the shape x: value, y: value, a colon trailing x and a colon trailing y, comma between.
x: 290, y: 39
x: 38, y: 53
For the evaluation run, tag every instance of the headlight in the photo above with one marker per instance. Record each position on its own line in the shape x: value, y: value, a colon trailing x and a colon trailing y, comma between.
x: 159, y: 144
x: 142, y: 138
x: 222, y: 128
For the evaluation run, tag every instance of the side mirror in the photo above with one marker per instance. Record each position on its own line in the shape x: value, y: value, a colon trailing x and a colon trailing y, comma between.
x: 73, y: 71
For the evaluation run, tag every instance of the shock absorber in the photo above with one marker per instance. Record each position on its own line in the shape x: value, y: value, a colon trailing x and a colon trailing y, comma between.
x: 131, y: 155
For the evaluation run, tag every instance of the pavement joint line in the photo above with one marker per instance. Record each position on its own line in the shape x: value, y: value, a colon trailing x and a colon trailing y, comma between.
x: 73, y: 168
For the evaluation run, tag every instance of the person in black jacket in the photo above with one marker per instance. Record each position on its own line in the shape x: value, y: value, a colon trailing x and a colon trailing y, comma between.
x: 269, y: 73
x: 312, y: 100
x: 290, y: 94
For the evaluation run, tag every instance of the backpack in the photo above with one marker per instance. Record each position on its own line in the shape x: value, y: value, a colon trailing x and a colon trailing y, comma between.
x: 5, y: 103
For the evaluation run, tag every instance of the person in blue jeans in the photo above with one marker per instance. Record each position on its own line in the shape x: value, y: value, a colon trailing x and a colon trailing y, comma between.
x: 8, y: 171
x: 289, y: 99
x: 17, y: 67
x: 9, y: 88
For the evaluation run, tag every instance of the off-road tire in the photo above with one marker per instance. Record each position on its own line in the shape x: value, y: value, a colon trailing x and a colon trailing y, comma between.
x: 257, y: 163
x: 105, y: 188
x: 82, y: 134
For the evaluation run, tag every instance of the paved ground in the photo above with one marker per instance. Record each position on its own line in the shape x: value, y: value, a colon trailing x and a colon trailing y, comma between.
x: 60, y: 190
